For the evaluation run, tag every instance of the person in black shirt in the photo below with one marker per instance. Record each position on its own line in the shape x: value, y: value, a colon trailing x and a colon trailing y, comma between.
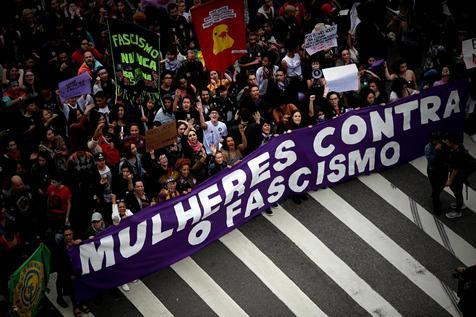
x: 457, y: 174
x: 437, y: 169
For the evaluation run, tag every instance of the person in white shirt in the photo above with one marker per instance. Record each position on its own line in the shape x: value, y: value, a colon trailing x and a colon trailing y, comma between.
x: 292, y: 63
x: 213, y: 130
x: 119, y: 212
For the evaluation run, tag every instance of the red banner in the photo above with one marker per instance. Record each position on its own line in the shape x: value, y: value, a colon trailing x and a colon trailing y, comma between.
x: 220, y: 29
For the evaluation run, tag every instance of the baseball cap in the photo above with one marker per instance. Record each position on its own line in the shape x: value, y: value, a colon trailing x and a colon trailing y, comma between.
x: 96, y: 217
x: 99, y: 156
x: 170, y: 180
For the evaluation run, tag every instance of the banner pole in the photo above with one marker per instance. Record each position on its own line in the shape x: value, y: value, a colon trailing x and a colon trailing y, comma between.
x: 113, y: 62
x: 159, y: 58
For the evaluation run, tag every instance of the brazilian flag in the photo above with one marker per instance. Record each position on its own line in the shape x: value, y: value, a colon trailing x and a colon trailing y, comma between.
x: 28, y: 284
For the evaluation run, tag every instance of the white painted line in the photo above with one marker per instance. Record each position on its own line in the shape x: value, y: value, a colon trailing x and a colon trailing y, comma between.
x: 469, y: 145
x: 52, y: 294
x: 420, y: 164
x: 432, y: 226
x: 145, y: 301
x: 331, y: 264
x: 207, y: 288
x: 281, y: 285
x: 390, y: 250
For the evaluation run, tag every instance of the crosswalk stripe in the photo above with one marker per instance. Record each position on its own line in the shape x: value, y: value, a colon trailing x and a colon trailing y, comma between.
x: 469, y: 145
x: 52, y: 294
x: 331, y: 264
x: 145, y: 301
x: 281, y: 285
x: 212, y: 294
x: 420, y: 164
x: 431, y: 225
x: 390, y: 250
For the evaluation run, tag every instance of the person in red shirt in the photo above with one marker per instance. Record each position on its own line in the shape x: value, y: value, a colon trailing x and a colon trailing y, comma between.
x: 59, y: 202
x: 300, y: 10
x: 85, y: 46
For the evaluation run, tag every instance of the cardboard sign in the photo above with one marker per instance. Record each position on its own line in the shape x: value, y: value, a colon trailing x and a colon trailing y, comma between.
x: 74, y: 87
x: 161, y: 136
x: 321, y: 40
x: 342, y: 78
x: 469, y: 53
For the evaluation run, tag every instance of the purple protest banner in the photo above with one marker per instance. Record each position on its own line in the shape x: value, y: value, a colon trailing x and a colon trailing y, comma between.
x: 363, y: 141
x: 74, y: 87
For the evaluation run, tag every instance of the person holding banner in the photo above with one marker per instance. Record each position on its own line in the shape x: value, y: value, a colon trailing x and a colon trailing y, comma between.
x: 65, y: 275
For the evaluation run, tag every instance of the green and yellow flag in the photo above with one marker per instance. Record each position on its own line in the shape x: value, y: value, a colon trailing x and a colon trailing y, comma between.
x: 28, y: 284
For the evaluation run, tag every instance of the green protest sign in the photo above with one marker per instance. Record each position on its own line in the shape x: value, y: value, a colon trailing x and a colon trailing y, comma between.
x: 136, y: 58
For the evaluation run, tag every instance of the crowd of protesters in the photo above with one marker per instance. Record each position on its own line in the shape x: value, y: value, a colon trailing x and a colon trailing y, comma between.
x: 79, y: 166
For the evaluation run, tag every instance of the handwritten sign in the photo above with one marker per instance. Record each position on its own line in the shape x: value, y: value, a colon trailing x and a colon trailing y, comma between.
x: 469, y: 53
x: 74, y: 87
x: 161, y: 136
x: 321, y: 40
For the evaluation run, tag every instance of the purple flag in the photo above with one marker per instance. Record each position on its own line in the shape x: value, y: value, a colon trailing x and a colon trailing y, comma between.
x: 376, y: 65
x: 367, y: 140
x: 74, y: 87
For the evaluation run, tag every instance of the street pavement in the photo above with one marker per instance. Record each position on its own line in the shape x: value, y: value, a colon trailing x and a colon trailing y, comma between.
x: 369, y: 246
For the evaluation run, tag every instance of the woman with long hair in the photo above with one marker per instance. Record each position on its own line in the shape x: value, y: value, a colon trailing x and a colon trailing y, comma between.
x: 132, y: 157
x: 119, y: 118
x: 296, y: 120
x: 234, y: 153
x: 195, y: 151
